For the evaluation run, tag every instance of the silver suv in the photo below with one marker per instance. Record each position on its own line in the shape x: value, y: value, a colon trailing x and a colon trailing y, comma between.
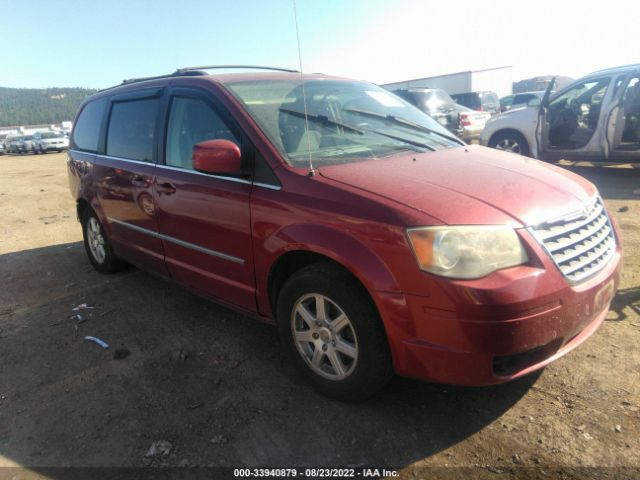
x: 595, y: 118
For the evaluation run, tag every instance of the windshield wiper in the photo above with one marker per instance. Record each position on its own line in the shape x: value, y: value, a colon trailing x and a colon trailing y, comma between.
x: 323, y: 119
x: 405, y: 140
x: 402, y: 121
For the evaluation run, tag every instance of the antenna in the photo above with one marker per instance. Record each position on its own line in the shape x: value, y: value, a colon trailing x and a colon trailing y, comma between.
x: 304, y: 93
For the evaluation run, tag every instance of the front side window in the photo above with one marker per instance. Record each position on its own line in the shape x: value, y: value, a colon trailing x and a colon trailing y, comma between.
x: 86, y: 131
x: 192, y: 121
x: 346, y: 121
x: 574, y: 114
x: 131, y: 129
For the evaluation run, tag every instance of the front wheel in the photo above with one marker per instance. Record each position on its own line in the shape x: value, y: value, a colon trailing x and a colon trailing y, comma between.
x: 334, y: 333
x: 98, y: 246
x: 512, y: 142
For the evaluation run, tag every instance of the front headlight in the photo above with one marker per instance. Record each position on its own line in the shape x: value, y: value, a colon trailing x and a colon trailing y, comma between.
x: 466, y: 251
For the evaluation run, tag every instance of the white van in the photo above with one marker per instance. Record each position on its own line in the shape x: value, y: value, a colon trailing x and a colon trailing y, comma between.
x: 596, y: 118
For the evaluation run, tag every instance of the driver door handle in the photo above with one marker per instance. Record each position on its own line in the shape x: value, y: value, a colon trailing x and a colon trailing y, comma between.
x: 166, y: 188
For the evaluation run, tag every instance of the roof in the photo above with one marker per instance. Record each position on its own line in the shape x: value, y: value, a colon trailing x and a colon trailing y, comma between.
x: 263, y: 74
x: 620, y: 69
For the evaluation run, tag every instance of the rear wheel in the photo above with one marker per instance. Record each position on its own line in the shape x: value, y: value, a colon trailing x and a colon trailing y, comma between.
x: 333, y: 332
x: 512, y: 142
x: 97, y: 244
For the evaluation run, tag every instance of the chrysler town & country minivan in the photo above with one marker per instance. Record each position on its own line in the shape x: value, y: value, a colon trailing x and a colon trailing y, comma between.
x: 375, y: 240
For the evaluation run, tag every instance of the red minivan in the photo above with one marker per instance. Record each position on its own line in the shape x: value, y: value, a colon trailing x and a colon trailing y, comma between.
x: 373, y: 238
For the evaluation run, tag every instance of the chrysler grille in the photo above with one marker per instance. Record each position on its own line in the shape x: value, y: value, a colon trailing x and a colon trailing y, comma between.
x: 580, y: 246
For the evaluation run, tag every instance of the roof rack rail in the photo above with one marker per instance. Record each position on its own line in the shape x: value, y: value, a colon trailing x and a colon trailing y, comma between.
x: 197, y: 71
x: 177, y: 73
x: 182, y: 71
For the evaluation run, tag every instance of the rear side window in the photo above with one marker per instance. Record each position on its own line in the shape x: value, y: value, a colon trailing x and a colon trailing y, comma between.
x: 86, y: 131
x: 131, y: 129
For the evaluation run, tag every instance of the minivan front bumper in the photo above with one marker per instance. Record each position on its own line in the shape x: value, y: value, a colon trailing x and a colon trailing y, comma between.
x: 488, y: 343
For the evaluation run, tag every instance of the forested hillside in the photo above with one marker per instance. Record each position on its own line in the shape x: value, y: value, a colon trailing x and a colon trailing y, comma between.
x: 31, y: 106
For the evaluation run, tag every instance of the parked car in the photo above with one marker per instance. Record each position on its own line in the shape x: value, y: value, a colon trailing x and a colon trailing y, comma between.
x: 50, y: 141
x: 480, y: 101
x: 14, y: 143
x: 529, y: 99
x: 435, y: 103
x: 25, y: 145
x: 472, y: 123
x: 374, y: 239
x: 595, y: 118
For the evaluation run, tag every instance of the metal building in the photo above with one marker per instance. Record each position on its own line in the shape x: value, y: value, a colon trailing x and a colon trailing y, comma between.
x: 498, y: 80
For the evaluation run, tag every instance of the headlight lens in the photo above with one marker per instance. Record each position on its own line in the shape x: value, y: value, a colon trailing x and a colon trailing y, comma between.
x: 466, y: 251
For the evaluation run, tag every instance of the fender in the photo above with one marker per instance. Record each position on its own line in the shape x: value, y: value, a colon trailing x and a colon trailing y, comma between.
x: 355, y: 256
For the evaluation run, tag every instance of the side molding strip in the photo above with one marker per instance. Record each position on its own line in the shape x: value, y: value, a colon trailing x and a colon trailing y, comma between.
x: 177, y: 241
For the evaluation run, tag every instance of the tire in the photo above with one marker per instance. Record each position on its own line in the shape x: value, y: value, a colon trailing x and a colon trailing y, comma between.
x: 509, y: 141
x: 97, y: 244
x: 362, y: 354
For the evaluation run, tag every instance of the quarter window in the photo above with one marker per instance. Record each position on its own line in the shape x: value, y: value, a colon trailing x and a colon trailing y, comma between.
x: 192, y: 121
x: 86, y: 132
x: 131, y: 129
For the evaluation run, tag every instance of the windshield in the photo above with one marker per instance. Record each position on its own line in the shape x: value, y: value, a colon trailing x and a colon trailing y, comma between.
x: 51, y: 135
x: 347, y: 121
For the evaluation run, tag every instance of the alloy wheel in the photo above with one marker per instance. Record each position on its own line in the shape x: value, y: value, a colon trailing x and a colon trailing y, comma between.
x: 509, y: 145
x: 324, y: 336
x: 96, y: 240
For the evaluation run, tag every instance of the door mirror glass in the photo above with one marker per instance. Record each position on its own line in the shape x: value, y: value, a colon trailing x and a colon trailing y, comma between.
x: 217, y: 156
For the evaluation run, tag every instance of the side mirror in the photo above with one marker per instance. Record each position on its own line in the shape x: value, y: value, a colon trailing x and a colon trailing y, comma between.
x: 217, y: 156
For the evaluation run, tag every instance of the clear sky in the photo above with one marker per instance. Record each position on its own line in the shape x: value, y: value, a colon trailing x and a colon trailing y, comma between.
x: 92, y: 43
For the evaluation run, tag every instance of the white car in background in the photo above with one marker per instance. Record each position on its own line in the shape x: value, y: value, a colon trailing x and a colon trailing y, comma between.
x: 44, y: 142
x: 595, y: 118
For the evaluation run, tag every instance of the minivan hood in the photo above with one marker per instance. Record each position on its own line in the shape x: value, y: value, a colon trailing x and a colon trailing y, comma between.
x: 471, y: 185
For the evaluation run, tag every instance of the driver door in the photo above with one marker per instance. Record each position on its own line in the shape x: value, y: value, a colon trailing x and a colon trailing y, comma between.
x: 203, y: 219
x: 572, y: 125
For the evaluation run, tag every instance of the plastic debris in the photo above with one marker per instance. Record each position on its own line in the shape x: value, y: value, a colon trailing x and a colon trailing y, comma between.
x: 82, y: 306
x: 102, y: 343
x: 78, y: 318
x: 161, y: 447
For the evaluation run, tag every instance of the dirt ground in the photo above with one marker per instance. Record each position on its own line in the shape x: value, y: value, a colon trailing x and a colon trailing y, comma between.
x: 218, y: 388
